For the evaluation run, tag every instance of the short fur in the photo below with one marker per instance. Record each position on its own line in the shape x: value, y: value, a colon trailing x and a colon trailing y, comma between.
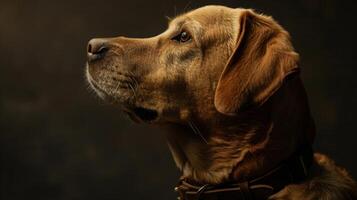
x: 231, y: 98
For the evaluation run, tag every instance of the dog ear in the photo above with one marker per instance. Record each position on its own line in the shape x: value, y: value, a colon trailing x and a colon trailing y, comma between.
x: 262, y: 59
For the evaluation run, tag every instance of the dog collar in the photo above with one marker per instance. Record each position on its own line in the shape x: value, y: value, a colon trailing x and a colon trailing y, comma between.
x: 292, y: 170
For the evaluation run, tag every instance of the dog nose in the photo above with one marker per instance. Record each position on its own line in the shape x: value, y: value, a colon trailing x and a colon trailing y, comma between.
x: 96, y: 49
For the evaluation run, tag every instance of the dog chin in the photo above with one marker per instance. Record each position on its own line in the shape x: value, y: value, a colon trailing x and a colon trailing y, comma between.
x: 99, y: 91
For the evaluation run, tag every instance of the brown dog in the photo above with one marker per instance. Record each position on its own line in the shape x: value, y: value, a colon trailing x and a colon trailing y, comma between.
x: 225, y: 84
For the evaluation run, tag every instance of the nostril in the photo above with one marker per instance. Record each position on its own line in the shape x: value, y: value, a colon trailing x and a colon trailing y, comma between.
x: 89, y: 49
x: 97, y: 46
x: 96, y: 49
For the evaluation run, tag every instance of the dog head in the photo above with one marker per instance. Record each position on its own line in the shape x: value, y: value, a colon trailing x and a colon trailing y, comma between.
x: 213, y: 60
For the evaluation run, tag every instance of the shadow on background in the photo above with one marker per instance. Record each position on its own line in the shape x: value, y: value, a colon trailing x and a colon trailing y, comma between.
x: 58, y: 141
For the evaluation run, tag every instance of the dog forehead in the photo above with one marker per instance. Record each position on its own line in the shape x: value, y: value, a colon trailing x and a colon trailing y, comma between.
x: 209, y: 17
x: 213, y: 14
x: 209, y: 10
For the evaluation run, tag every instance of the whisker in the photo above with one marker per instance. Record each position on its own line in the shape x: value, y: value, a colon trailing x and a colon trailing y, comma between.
x: 197, y: 131
x: 135, y: 82
x: 132, y: 77
x: 131, y: 87
x: 115, y: 90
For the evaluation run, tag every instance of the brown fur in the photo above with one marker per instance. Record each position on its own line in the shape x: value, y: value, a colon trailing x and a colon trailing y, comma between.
x: 231, y: 98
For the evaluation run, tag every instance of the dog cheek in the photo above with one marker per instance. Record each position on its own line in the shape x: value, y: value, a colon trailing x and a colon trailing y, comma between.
x: 180, y: 58
x: 187, y: 56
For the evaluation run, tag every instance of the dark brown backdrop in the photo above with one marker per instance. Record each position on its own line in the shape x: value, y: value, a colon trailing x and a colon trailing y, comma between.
x: 58, y: 141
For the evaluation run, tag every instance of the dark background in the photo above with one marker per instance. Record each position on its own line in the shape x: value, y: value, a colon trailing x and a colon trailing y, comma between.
x: 58, y: 141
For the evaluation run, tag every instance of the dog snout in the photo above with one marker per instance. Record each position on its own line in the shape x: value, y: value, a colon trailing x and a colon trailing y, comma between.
x: 96, y: 49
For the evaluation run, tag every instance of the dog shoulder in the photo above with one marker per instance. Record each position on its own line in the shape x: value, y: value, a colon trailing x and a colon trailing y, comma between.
x: 327, y: 181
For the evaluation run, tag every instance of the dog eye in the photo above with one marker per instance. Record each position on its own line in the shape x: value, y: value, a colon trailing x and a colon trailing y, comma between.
x: 182, y: 37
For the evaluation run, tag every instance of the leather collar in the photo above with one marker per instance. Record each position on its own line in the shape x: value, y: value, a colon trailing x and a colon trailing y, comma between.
x: 292, y: 170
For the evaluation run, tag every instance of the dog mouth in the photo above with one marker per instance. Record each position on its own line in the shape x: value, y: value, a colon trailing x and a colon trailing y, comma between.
x: 136, y: 113
x: 140, y: 114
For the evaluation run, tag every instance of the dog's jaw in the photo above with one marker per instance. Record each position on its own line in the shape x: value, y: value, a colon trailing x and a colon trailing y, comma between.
x: 115, y: 96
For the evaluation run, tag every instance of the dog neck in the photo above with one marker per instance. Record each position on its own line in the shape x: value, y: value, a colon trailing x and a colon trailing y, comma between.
x: 243, y: 147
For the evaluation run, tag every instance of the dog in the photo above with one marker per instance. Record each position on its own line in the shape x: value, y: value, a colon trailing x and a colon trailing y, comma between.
x: 225, y: 85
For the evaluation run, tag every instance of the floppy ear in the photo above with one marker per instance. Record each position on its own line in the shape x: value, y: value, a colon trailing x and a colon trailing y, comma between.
x: 262, y: 59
